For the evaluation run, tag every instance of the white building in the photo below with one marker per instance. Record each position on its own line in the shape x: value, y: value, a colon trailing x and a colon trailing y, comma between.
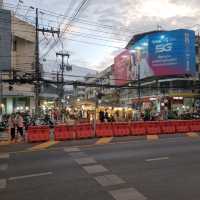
x: 17, y: 46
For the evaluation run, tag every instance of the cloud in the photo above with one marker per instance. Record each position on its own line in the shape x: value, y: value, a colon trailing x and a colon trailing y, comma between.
x: 121, y: 19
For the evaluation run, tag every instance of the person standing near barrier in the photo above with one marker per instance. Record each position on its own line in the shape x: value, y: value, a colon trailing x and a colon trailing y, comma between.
x: 20, y: 125
x: 12, y: 124
x: 106, y: 116
x: 101, y: 116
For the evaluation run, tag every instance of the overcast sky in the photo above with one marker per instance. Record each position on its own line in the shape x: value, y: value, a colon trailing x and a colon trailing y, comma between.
x: 121, y: 20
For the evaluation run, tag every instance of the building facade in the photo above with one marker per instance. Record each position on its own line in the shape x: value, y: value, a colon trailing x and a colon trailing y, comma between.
x: 161, y: 68
x: 18, y: 38
x: 107, y: 96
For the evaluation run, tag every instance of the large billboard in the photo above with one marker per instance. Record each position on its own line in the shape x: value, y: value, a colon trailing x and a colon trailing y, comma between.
x: 5, y: 40
x: 165, y: 53
x: 121, y: 67
x: 172, y: 53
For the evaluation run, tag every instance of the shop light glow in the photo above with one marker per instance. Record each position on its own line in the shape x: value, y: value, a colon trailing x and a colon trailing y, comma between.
x: 178, y: 98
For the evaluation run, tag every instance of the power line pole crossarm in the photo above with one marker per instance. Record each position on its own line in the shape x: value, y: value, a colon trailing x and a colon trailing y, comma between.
x: 62, y: 68
x: 37, y: 59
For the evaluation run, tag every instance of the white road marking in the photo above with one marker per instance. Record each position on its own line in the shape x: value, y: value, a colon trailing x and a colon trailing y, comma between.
x: 4, y: 155
x: 95, y: 169
x: 71, y: 149
x: 30, y: 176
x: 156, y: 159
x: 3, y: 183
x: 127, y: 193
x: 109, y: 180
x: 3, y: 167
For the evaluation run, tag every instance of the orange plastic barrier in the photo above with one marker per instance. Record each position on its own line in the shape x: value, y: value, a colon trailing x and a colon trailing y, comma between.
x: 182, y: 126
x: 64, y: 132
x: 38, y: 134
x: 137, y: 128
x: 194, y: 126
x: 84, y: 131
x: 167, y: 127
x: 153, y: 128
x: 104, y: 130
x: 121, y: 129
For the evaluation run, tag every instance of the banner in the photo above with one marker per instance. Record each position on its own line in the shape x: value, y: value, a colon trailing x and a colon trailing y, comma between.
x: 166, y: 53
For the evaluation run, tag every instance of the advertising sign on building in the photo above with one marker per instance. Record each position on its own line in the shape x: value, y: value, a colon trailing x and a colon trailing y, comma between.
x: 166, y: 53
x: 122, y: 68
x: 5, y: 40
x: 172, y: 53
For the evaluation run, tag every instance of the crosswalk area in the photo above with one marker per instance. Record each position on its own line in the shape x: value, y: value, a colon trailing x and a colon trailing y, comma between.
x: 107, y: 167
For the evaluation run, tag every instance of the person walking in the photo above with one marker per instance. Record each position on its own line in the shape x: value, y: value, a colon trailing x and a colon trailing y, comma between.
x: 20, y: 125
x: 12, y: 124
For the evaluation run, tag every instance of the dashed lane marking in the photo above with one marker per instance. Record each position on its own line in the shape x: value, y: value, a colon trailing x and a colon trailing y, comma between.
x: 30, y: 176
x: 192, y: 134
x: 71, y: 149
x: 109, y: 180
x: 127, y: 193
x: 3, y: 183
x: 44, y: 145
x: 105, y: 140
x: 95, y: 169
x: 4, y: 155
x: 156, y: 159
x: 152, y: 137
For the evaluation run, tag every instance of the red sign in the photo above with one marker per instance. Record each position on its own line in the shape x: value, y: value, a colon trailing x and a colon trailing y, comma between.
x: 122, y: 70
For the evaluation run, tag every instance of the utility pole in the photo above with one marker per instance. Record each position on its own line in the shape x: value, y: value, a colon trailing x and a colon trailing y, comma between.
x: 62, y: 68
x: 139, y: 87
x: 37, y: 66
x: 37, y: 59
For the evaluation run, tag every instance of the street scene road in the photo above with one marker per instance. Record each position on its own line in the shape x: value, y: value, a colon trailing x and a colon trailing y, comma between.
x: 99, y: 100
x: 164, y: 168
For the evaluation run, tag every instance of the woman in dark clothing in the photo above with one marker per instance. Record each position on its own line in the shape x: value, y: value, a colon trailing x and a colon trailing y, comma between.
x: 12, y: 124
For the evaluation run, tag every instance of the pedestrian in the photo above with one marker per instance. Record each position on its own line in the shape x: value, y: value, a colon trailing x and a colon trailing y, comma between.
x: 20, y: 125
x: 101, y: 116
x: 146, y: 115
x: 106, y: 116
x: 12, y: 125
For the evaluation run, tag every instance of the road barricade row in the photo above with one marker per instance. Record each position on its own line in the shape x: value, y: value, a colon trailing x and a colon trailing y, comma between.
x: 38, y: 134
x: 86, y: 130
x: 104, y: 130
x: 64, y: 132
x: 83, y: 131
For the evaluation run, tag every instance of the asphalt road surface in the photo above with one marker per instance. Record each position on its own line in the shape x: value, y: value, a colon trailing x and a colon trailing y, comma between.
x: 164, y: 169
